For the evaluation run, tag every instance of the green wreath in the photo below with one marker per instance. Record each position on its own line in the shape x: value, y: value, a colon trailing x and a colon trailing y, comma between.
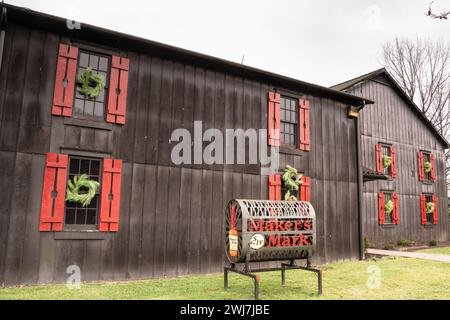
x: 388, y: 207
x: 73, y: 190
x: 430, y: 207
x: 427, y: 166
x: 387, y: 161
x: 292, y: 181
x: 90, y: 84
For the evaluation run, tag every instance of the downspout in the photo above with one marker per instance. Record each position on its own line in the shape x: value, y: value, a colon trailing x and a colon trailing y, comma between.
x: 360, y: 187
x: 2, y: 34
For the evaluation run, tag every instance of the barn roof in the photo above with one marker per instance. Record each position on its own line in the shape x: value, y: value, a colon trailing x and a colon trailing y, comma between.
x: 115, y: 39
x: 383, y: 72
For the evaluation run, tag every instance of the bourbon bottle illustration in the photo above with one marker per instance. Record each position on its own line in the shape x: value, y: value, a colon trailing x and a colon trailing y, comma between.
x: 233, y: 234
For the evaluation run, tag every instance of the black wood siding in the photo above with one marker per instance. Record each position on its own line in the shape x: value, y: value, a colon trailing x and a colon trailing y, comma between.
x: 171, y: 217
x: 391, y: 120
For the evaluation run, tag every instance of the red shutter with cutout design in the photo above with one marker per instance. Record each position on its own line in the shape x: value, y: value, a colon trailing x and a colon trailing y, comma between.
x: 395, y: 212
x: 305, y: 189
x: 381, y: 208
x: 304, y: 127
x: 110, y: 195
x: 423, y: 209
x: 433, y: 171
x: 118, y: 90
x: 54, y: 193
x: 421, y: 169
x: 275, y: 187
x: 66, y: 73
x: 394, y: 162
x: 273, y: 119
x: 436, y: 211
x: 379, y: 157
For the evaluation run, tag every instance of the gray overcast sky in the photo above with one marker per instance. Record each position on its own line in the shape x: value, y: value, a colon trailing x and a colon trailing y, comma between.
x: 323, y: 42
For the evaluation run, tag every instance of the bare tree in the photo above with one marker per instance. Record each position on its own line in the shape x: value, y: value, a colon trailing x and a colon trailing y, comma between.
x: 422, y: 68
x: 442, y: 15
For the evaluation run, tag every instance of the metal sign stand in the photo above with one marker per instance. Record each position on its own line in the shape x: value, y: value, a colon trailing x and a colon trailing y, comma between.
x: 284, y: 266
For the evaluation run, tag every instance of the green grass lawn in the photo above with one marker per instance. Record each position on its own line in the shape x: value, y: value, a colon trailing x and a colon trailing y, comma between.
x: 443, y: 250
x: 400, y: 279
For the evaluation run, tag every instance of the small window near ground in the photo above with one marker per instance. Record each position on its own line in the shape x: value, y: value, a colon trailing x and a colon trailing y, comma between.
x: 288, y: 121
x: 86, y: 107
x: 77, y: 216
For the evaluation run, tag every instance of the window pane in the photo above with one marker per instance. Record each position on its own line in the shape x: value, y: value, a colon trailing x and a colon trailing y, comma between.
x: 74, y: 165
x: 98, y: 109
x: 93, y: 203
x: 80, y: 217
x: 91, y: 217
x: 80, y: 71
x: 105, y: 77
x: 70, y: 216
x: 84, y: 60
x: 103, y: 65
x: 95, y: 168
x: 79, y: 95
x: 79, y: 104
x: 93, y: 62
x: 70, y: 204
x: 89, y: 108
x: 101, y: 97
x: 84, y: 169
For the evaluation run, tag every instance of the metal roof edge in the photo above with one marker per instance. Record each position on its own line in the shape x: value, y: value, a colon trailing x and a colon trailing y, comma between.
x: 112, y: 38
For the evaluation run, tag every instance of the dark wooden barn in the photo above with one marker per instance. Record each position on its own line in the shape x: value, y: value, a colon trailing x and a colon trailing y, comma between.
x: 395, y: 127
x: 151, y: 218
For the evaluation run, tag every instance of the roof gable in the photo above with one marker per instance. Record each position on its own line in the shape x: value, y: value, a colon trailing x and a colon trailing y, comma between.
x: 383, y: 76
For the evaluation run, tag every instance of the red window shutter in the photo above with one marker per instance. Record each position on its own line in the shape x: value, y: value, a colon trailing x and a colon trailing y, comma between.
x: 394, y: 163
x: 275, y: 187
x: 436, y: 211
x: 110, y: 195
x: 304, y: 134
x: 423, y: 209
x: 118, y: 89
x: 433, y: 172
x: 395, y: 212
x: 305, y: 189
x: 381, y: 208
x: 66, y: 72
x: 421, y: 169
x: 54, y: 193
x: 273, y: 119
x: 379, y: 155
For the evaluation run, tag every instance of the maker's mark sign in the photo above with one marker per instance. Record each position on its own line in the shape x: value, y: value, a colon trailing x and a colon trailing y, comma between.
x: 259, y: 230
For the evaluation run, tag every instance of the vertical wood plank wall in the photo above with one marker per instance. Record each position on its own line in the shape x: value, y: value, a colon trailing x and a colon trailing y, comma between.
x: 171, y: 217
x: 391, y: 120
